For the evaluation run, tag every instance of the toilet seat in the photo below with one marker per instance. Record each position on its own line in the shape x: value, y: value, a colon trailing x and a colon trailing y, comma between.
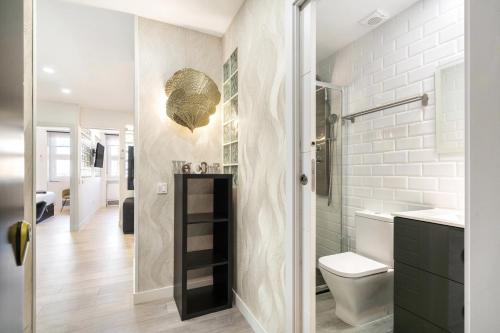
x: 351, y: 265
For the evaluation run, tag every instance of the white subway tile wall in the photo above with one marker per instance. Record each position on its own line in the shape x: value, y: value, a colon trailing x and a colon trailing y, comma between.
x: 390, y: 159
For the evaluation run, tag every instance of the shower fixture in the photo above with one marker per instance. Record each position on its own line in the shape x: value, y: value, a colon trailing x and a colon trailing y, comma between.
x: 332, y: 120
x: 327, y: 127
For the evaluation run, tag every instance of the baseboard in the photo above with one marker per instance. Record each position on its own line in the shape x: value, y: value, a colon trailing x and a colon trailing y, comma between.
x: 248, y: 315
x: 153, y: 295
x: 167, y: 292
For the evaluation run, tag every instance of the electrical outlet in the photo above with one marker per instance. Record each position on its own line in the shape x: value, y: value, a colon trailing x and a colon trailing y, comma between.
x: 162, y: 188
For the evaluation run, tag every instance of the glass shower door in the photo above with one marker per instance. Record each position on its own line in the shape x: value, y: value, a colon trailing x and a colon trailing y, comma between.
x: 328, y: 174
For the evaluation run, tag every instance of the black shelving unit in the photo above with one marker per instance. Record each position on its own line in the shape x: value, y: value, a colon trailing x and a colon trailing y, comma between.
x: 194, y: 302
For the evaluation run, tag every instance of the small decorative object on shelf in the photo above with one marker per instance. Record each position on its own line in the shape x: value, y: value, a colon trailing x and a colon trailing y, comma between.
x: 214, y: 168
x: 203, y: 168
x: 209, y: 198
x: 186, y: 168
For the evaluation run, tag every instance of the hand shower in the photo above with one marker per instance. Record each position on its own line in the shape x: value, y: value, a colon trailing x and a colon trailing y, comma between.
x: 332, y: 120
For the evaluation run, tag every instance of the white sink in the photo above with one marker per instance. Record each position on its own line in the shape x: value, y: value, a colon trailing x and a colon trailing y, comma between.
x: 454, y: 218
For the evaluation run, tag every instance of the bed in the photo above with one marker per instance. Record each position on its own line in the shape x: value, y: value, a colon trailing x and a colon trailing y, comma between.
x: 45, y: 201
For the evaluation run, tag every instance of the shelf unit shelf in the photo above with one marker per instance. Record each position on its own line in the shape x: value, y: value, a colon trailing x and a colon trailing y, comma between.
x: 216, y: 261
x: 205, y: 218
x: 204, y: 258
x: 204, y: 300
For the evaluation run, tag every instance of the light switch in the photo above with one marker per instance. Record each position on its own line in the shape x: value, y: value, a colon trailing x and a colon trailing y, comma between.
x: 162, y: 188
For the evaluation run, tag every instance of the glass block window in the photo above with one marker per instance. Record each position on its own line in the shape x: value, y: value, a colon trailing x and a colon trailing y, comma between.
x: 230, y: 122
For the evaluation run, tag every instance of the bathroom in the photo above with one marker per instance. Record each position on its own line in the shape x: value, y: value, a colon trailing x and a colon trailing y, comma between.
x: 388, y: 139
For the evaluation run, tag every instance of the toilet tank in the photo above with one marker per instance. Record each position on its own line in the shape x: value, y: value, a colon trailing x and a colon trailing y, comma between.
x: 375, y: 236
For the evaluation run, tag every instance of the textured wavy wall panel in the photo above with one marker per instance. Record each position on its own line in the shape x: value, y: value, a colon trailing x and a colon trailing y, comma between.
x: 258, y: 33
x: 164, y: 49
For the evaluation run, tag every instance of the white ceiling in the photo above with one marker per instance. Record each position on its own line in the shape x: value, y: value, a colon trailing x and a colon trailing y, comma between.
x: 338, y: 21
x: 91, y: 51
x: 208, y: 16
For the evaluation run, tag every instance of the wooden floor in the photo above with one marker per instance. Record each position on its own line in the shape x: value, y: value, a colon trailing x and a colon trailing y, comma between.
x: 84, y: 284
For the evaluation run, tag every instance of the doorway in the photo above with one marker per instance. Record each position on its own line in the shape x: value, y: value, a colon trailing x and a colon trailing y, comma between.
x: 84, y: 108
x: 113, y: 170
x: 53, y: 175
x: 372, y: 65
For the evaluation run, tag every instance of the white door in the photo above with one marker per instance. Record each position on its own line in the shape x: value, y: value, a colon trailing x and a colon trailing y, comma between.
x: 308, y: 163
x: 112, y: 169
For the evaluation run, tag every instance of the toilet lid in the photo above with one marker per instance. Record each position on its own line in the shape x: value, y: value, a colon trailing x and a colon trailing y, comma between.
x: 351, y: 265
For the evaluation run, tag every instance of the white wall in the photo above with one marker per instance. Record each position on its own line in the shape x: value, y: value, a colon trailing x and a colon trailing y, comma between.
x: 258, y: 33
x: 65, y: 115
x: 92, y: 189
x: 117, y: 120
x: 105, y: 119
x: 390, y: 159
x: 43, y: 182
x: 483, y: 179
x: 163, y: 49
x: 89, y: 193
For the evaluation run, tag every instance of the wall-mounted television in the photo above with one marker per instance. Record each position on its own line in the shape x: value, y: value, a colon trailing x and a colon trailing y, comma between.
x: 99, y: 156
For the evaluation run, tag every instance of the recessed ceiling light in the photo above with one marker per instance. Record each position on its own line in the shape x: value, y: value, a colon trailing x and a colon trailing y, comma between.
x: 66, y: 91
x: 48, y: 70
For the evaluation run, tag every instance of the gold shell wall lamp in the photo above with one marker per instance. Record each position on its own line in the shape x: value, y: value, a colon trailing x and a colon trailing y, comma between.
x: 192, y: 97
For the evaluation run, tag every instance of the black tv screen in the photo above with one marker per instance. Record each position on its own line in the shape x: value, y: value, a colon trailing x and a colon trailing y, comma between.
x: 99, y: 156
x: 130, y: 175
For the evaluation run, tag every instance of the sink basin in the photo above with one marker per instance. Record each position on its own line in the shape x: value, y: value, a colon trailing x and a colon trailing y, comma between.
x: 449, y: 217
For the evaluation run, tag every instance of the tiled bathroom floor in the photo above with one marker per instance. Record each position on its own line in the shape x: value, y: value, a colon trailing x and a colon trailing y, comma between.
x: 326, y: 321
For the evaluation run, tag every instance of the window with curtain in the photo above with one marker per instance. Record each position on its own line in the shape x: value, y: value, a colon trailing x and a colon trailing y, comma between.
x: 59, y: 155
x: 113, y: 155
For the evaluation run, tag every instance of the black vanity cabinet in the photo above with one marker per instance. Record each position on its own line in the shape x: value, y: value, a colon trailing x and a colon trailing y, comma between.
x: 428, y: 277
x: 203, y: 244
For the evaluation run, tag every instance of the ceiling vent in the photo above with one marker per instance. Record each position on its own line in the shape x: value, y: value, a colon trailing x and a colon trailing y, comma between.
x: 375, y: 18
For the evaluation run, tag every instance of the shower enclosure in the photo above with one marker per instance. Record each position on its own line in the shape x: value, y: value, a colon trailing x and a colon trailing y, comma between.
x: 329, y: 229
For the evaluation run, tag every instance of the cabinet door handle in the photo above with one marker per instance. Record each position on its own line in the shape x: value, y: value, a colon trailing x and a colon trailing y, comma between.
x: 462, y: 256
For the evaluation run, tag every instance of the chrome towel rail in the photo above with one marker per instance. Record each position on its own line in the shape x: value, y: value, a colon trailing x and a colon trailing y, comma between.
x: 424, y: 98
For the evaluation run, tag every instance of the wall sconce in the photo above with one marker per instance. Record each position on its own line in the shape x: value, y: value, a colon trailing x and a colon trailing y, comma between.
x: 192, y: 96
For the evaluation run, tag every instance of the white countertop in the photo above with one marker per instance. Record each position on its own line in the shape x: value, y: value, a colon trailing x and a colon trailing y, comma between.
x: 453, y: 218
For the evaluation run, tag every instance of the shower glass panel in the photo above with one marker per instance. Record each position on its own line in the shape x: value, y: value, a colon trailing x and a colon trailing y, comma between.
x: 328, y: 174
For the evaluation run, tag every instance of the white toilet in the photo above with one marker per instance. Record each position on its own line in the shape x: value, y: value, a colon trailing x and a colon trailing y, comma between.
x: 362, y: 282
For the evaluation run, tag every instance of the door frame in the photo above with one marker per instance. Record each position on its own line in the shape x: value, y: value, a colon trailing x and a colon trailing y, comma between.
x: 74, y: 166
x: 296, y: 313
x: 294, y: 248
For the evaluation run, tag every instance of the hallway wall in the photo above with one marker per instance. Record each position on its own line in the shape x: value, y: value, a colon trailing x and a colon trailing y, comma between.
x: 258, y: 33
x: 163, y: 49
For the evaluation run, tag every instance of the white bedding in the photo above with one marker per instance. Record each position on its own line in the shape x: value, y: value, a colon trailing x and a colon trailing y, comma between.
x: 49, y: 197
